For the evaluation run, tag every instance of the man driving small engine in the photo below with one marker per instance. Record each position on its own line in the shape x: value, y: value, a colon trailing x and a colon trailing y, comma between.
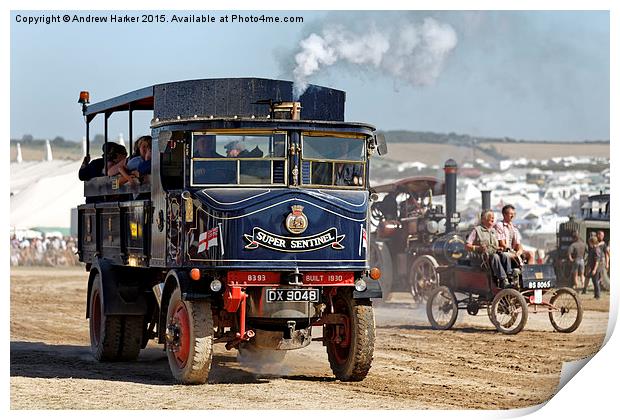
x: 483, y: 240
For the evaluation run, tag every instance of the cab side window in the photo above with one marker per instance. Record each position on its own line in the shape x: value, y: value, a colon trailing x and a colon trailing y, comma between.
x: 171, y: 163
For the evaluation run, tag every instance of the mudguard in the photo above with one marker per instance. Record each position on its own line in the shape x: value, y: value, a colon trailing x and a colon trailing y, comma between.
x: 122, y: 294
x: 373, y: 290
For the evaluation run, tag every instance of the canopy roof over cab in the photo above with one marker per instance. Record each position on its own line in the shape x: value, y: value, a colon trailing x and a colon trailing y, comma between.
x: 223, y: 98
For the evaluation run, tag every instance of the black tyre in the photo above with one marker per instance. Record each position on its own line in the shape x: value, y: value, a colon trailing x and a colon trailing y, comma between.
x: 113, y: 338
x: 423, y: 278
x: 566, y: 312
x: 509, y: 311
x: 350, y: 346
x: 189, y: 339
x: 441, y: 308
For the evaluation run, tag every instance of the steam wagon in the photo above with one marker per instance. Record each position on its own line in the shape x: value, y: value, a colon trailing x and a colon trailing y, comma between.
x: 250, y: 229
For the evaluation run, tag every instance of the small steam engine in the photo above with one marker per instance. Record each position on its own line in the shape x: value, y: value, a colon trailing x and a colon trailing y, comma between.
x: 415, y: 236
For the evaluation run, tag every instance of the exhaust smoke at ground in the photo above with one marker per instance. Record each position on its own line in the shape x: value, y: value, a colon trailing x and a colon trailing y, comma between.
x: 263, y: 361
x: 413, y: 52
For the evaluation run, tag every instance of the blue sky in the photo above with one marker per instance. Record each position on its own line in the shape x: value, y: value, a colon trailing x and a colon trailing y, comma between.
x: 527, y: 75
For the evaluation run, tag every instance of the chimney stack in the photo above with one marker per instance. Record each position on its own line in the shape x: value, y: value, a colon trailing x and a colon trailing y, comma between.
x: 486, y: 199
x: 450, y: 169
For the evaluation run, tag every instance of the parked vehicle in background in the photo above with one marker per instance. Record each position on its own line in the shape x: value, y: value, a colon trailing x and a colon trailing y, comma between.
x: 594, y: 217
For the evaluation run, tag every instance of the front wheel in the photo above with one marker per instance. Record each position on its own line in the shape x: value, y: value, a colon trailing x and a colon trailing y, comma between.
x: 350, y: 344
x: 566, y: 312
x: 442, y: 308
x: 509, y: 311
x: 189, y: 339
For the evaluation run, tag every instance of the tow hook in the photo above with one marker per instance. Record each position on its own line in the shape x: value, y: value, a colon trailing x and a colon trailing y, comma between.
x: 238, y: 339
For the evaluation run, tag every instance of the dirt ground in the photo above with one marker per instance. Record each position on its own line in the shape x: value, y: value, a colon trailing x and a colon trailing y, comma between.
x: 414, y: 367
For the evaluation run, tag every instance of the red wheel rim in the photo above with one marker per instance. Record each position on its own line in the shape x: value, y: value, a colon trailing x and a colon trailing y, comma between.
x: 95, y: 318
x: 180, y: 320
x: 341, y: 350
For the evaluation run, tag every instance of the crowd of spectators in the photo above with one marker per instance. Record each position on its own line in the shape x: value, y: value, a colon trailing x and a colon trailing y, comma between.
x: 47, y: 252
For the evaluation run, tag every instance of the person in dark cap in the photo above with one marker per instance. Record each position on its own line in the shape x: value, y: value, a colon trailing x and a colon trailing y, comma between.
x: 234, y: 149
x: 92, y: 169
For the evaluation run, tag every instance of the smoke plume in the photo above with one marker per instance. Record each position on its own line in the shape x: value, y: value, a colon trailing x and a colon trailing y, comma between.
x: 412, y: 52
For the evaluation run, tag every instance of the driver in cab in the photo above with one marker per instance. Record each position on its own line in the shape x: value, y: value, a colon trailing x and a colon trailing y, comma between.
x: 483, y: 241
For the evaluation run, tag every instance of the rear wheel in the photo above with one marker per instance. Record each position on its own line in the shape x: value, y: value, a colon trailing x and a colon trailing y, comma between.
x: 189, y: 339
x: 509, y: 311
x: 350, y: 345
x: 441, y: 308
x: 113, y: 338
x: 567, y: 312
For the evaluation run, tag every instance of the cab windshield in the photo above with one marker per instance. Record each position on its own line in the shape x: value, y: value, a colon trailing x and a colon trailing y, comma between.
x: 333, y: 160
x: 238, y: 159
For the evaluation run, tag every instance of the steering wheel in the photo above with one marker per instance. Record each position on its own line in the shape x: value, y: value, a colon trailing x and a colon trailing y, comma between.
x: 376, y: 214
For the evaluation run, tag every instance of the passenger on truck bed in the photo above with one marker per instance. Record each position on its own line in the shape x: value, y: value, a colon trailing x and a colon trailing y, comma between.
x: 116, y: 160
x: 92, y: 169
x: 136, y: 168
x: 141, y: 147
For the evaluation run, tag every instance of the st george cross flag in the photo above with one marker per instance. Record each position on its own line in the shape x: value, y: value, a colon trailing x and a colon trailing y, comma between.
x: 363, y: 239
x: 207, y: 239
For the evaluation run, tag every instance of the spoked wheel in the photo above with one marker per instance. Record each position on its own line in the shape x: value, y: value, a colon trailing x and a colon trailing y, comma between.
x: 113, y: 338
x: 350, y: 344
x: 423, y: 278
x: 566, y: 312
x: 189, y: 339
x: 441, y: 308
x: 509, y: 311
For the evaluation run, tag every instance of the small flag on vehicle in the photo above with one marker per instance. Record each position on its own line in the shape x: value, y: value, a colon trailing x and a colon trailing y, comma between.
x: 207, y: 239
x: 363, y: 239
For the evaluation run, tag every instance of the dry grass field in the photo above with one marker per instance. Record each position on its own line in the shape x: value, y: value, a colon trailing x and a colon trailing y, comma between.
x: 436, y: 154
x: 547, y: 150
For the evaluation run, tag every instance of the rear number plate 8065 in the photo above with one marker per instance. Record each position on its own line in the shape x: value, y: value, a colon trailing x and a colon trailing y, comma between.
x: 292, y: 295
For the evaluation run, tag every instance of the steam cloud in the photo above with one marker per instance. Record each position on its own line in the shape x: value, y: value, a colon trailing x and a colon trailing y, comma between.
x: 412, y: 52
